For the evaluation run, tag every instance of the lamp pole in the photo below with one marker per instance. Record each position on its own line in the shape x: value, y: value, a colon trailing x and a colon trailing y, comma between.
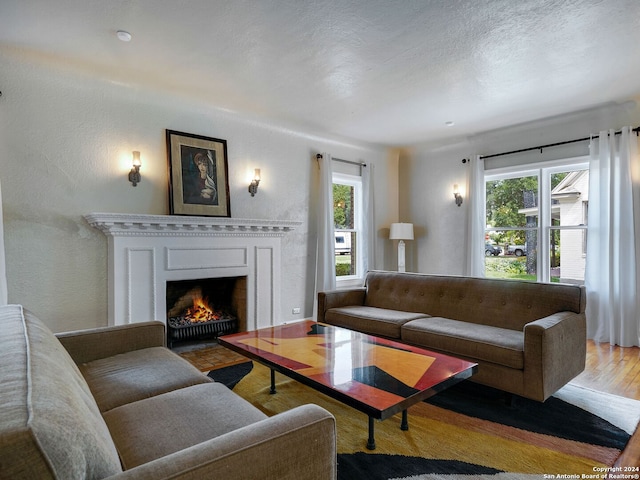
x: 401, y: 257
x: 401, y: 232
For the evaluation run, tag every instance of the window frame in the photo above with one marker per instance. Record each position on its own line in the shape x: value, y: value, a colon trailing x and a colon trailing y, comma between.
x: 543, y: 171
x: 354, y: 181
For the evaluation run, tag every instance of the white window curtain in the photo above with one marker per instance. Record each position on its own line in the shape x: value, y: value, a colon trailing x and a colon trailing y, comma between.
x: 613, y: 239
x: 368, y: 214
x: 3, y: 272
x: 476, y: 219
x: 325, y: 257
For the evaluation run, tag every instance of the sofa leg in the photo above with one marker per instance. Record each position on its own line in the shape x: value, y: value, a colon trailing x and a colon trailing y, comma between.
x: 511, y: 400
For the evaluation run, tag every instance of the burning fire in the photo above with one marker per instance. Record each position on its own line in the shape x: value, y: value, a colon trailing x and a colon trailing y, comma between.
x: 201, y: 311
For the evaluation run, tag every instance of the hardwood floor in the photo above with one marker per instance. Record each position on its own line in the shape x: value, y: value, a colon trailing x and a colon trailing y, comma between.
x: 609, y: 368
x: 612, y: 369
x: 615, y: 370
x: 208, y: 355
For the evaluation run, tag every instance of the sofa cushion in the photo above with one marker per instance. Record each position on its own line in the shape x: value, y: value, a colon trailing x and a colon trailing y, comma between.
x: 481, y: 342
x: 154, y: 427
x: 50, y: 425
x: 372, y: 320
x: 138, y: 374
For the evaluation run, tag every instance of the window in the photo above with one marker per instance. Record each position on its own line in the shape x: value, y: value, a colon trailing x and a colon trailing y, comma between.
x: 536, y: 222
x: 585, y: 216
x: 347, y: 216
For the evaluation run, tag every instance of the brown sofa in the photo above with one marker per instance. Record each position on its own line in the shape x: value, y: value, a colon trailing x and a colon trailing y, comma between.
x: 528, y: 338
x: 115, y: 403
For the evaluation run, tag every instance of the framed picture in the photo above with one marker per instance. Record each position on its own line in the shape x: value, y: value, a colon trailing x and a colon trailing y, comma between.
x: 198, y: 175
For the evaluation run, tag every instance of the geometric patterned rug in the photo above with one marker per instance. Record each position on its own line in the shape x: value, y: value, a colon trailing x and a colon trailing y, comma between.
x: 467, y: 431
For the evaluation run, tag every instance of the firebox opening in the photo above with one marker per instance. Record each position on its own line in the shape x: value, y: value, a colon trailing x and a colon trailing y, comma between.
x: 205, y: 308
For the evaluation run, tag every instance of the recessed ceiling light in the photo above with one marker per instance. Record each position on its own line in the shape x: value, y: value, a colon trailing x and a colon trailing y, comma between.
x: 449, y: 123
x: 124, y: 36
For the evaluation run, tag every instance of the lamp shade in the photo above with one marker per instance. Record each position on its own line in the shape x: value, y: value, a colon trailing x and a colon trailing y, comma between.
x: 401, y: 231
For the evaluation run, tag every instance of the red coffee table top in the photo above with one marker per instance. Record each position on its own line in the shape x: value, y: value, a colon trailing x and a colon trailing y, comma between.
x: 377, y: 376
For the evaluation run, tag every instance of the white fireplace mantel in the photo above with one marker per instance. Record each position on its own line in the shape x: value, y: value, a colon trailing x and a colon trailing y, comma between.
x: 123, y: 224
x: 147, y: 251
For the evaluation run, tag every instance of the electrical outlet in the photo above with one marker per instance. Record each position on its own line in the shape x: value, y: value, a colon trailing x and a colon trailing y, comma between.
x: 295, y: 310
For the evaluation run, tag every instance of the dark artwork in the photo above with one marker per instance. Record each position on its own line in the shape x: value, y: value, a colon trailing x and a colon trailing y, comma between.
x: 199, y: 176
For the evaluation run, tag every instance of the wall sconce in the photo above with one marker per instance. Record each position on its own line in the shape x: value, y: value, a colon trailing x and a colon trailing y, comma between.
x: 253, y: 186
x: 457, y: 195
x: 134, y: 174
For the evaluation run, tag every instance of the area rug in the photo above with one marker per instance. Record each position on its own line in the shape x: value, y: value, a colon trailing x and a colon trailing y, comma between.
x: 232, y: 374
x: 467, y: 431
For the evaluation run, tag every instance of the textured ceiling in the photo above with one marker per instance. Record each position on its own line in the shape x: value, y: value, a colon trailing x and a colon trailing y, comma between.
x: 391, y: 72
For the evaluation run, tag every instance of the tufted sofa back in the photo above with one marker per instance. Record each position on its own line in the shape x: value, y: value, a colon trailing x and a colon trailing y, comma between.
x: 504, y: 303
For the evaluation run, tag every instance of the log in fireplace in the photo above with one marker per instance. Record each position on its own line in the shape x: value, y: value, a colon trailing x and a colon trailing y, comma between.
x: 204, y: 308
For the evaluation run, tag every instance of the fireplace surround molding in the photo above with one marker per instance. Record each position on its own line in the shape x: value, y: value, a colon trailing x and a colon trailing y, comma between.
x: 147, y: 251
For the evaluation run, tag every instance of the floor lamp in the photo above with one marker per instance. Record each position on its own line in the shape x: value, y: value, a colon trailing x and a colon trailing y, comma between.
x: 401, y: 232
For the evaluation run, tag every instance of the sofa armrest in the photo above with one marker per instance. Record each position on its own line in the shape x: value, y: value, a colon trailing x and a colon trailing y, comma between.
x: 93, y: 344
x: 555, y: 349
x: 299, y: 444
x: 339, y: 298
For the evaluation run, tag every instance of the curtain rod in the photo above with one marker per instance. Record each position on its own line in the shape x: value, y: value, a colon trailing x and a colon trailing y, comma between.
x: 482, y: 157
x: 360, y: 164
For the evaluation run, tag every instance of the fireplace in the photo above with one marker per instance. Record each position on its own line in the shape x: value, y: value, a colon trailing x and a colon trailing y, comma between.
x: 145, y: 252
x: 205, y: 308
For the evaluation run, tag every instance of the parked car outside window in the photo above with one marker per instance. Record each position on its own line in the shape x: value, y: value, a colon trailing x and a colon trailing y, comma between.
x: 491, y: 250
x: 517, y: 250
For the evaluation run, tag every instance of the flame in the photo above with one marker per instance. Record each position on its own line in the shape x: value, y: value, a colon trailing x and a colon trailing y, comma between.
x: 201, y: 311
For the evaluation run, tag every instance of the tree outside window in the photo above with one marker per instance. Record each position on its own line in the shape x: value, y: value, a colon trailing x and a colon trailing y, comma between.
x: 347, y: 224
x: 535, y: 222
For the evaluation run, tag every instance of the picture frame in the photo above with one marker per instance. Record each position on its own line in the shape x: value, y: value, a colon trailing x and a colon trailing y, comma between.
x: 198, y: 175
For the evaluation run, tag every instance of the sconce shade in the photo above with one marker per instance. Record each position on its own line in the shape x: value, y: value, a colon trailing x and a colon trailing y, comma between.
x: 457, y: 195
x: 401, y: 231
x: 134, y: 174
x: 253, y: 186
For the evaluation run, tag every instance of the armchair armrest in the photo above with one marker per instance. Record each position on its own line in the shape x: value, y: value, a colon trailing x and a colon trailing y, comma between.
x: 95, y: 343
x: 339, y: 298
x: 555, y: 349
x: 299, y: 444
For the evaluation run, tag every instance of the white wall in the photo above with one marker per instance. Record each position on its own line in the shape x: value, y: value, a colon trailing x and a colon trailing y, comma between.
x: 427, y: 174
x: 66, y: 138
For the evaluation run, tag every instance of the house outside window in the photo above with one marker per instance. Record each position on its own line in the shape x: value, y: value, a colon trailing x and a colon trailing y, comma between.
x: 348, y: 221
x: 536, y: 221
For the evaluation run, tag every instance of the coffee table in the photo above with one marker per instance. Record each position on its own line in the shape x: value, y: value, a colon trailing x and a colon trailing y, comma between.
x: 376, y: 376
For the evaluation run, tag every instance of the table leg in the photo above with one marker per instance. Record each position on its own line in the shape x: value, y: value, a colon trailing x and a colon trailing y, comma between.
x: 371, y: 443
x: 273, y: 382
x: 405, y: 422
